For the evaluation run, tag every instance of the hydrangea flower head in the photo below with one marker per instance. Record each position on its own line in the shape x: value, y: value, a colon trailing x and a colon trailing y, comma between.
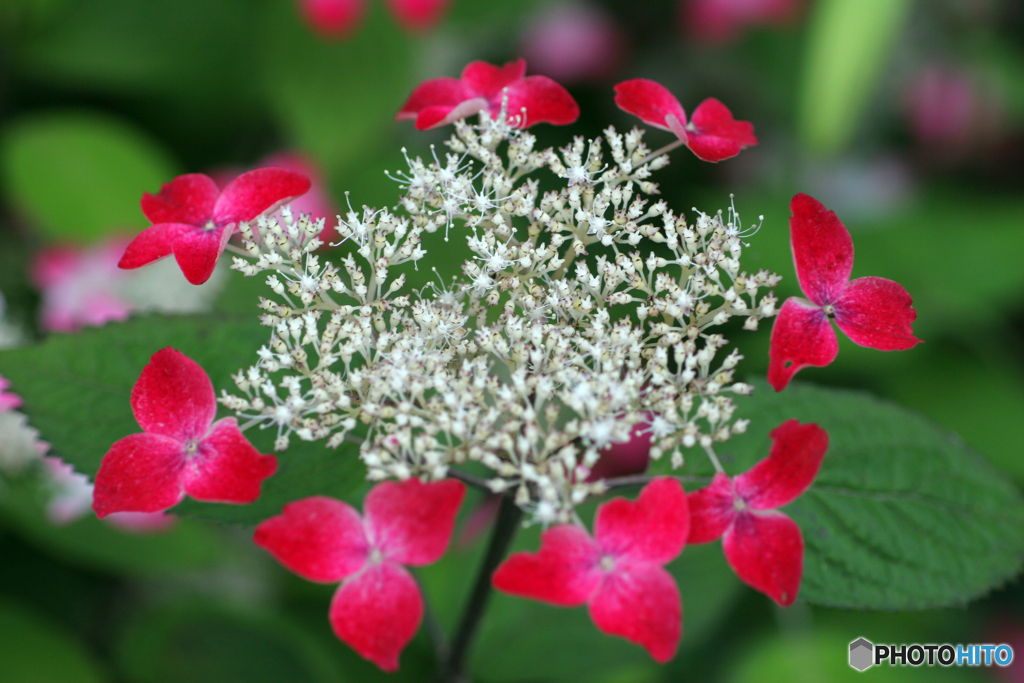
x: 763, y: 546
x: 619, y: 572
x: 712, y: 133
x: 483, y: 86
x: 181, y: 450
x: 193, y: 219
x: 872, y: 311
x: 378, y: 607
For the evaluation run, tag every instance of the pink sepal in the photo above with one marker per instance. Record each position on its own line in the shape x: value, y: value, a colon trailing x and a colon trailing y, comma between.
x: 650, y: 101
x: 487, y: 80
x: 412, y: 522
x: 791, y: 466
x: 822, y: 250
x: 193, y: 220
x: 872, y: 311
x: 377, y: 612
x: 152, y: 244
x: 174, y: 397
x: 318, y: 538
x: 198, y: 250
x: 332, y: 19
x: 188, y: 199
x: 228, y: 469
x: 444, y: 93
x: 621, y: 459
x: 378, y: 607
x: 182, y: 450
x: 766, y: 550
x: 259, y: 191
x: 142, y: 522
x: 563, y: 572
x: 619, y: 575
x: 417, y: 16
x: 7, y: 401
x: 877, y: 313
x: 641, y: 604
x: 714, y: 135
x: 801, y: 336
x: 653, y: 528
x: 140, y: 473
x: 763, y: 546
x: 543, y: 100
x: 711, y: 510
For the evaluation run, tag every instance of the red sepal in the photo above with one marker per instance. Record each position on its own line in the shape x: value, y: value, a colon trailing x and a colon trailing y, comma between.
x: 445, y: 100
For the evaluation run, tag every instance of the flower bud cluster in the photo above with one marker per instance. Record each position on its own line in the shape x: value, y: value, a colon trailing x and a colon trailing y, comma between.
x: 583, y: 312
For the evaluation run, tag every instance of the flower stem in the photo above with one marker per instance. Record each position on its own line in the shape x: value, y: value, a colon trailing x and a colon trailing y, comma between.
x: 504, y: 531
x: 658, y: 152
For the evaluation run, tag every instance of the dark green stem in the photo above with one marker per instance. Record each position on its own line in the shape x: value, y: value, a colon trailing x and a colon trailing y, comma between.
x: 504, y: 531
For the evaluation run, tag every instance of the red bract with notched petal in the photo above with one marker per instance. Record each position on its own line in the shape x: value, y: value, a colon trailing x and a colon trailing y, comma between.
x: 763, y: 546
x: 181, y: 450
x: 193, y: 220
x: 378, y: 607
x: 619, y: 575
x: 442, y: 101
x: 872, y: 311
x: 712, y: 134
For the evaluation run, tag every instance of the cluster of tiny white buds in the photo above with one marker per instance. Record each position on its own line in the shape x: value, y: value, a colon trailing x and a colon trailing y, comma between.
x: 583, y: 312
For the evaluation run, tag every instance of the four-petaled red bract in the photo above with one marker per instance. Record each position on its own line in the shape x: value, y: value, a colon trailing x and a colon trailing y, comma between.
x: 872, y: 311
x: 445, y: 100
x: 763, y: 546
x: 181, y: 450
x: 193, y: 220
x: 619, y: 573
x: 378, y: 607
x: 712, y: 134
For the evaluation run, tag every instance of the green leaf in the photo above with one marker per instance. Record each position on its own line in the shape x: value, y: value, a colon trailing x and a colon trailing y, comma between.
x: 77, y: 391
x: 214, y: 643
x: 36, y: 651
x: 971, y: 394
x: 188, y: 545
x: 80, y: 176
x: 901, y: 516
x: 849, y: 43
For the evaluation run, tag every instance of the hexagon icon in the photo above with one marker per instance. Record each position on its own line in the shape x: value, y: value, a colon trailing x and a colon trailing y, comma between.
x: 861, y: 654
